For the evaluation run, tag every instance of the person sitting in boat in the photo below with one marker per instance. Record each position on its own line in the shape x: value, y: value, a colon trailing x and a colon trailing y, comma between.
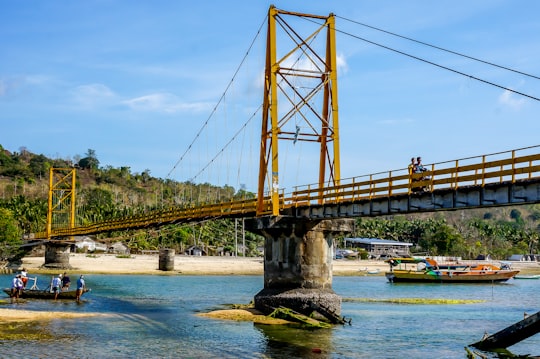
x: 24, y: 277
x: 16, y: 287
x: 66, y: 282
x: 55, y: 285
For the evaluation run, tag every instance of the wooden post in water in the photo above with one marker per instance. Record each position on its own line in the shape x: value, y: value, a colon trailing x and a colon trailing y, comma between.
x: 511, y: 335
x: 166, y: 259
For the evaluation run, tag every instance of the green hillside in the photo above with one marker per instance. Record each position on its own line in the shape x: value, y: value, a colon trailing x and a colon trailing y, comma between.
x: 105, y: 192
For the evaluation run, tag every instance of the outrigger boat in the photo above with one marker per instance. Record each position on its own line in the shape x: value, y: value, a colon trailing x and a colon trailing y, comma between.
x: 35, y: 293
x: 428, y: 270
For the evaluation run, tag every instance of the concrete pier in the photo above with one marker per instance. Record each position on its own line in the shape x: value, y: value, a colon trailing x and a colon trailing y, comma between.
x: 298, y: 263
x: 57, y: 255
x: 166, y: 259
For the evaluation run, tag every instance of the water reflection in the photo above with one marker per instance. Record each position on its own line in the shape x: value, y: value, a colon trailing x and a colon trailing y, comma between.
x: 154, y: 316
x: 290, y: 342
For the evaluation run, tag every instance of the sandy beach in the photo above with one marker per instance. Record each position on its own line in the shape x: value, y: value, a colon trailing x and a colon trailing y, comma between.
x: 183, y: 264
x: 205, y: 265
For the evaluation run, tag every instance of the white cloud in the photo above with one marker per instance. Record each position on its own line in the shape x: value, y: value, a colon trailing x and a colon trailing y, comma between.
x: 342, y: 63
x: 164, y: 102
x: 93, y: 95
x: 508, y: 98
x: 11, y: 85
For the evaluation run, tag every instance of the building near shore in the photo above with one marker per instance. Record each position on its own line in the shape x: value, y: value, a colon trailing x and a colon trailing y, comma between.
x: 380, y: 248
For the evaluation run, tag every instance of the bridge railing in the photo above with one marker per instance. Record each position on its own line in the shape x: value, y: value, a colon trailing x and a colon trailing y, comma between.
x: 508, y: 166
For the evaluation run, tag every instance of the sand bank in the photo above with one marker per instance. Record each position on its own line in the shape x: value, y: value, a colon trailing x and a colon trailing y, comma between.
x: 19, y: 315
x: 207, y: 265
x: 188, y: 265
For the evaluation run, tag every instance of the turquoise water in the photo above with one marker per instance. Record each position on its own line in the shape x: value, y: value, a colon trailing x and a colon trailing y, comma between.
x: 155, y: 318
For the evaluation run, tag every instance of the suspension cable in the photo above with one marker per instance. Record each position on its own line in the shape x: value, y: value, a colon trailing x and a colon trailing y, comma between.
x: 433, y: 63
x: 440, y: 66
x: 440, y: 48
x: 220, y: 99
x: 227, y: 144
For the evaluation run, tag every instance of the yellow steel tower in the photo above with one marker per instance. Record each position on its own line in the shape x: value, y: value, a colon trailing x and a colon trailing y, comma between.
x: 304, y: 80
x: 61, y: 209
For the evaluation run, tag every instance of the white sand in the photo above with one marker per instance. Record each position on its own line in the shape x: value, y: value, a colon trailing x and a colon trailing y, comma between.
x: 193, y: 265
x: 20, y: 315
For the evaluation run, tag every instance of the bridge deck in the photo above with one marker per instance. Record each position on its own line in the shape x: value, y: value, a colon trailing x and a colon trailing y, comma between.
x: 499, y: 179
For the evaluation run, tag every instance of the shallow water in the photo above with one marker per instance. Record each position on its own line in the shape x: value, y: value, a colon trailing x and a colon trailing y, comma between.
x: 154, y: 317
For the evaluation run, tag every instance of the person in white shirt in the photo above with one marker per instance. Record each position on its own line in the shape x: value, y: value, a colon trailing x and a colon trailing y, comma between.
x: 16, y: 288
x: 56, y: 285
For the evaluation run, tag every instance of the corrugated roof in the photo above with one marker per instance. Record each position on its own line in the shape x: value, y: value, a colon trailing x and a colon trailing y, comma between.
x: 377, y: 241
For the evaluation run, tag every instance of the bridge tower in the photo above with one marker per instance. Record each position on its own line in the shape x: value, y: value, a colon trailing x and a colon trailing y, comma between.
x: 61, y: 210
x: 304, y: 82
x: 298, y: 251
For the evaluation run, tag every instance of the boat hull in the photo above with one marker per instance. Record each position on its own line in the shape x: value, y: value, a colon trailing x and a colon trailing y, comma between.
x: 400, y: 276
x: 45, y: 294
x: 533, y: 276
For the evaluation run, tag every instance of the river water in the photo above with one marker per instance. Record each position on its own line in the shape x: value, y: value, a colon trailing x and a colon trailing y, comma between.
x: 154, y: 317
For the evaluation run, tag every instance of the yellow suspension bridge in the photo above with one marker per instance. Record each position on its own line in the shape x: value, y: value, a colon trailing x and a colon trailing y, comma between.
x: 498, y: 179
x: 298, y: 225
x: 505, y: 178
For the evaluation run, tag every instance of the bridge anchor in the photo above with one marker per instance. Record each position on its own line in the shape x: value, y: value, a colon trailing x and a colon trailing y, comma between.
x: 298, y: 256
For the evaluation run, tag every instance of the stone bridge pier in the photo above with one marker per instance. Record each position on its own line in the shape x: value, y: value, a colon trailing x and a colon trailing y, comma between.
x: 57, y: 254
x: 298, y: 255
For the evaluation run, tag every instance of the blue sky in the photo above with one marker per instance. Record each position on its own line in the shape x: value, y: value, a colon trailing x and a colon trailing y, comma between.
x: 136, y: 80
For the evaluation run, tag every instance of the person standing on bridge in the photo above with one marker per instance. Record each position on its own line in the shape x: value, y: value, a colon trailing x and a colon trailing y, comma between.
x: 412, y: 166
x: 419, y: 166
x: 421, y: 169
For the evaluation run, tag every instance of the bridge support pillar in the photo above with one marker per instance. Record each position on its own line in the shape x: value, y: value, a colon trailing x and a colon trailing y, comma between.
x: 298, y: 256
x: 57, y: 255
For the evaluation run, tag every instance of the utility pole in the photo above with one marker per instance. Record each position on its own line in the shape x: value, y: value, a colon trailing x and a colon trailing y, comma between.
x: 236, y: 237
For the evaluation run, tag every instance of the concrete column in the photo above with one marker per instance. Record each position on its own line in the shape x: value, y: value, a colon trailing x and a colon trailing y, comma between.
x: 57, y: 255
x: 166, y: 259
x: 298, y: 263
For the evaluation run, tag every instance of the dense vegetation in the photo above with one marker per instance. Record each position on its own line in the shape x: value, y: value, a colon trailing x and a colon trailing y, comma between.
x: 108, y: 192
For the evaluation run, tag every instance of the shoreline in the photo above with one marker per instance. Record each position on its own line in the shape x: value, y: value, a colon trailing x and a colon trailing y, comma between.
x: 183, y: 265
x: 82, y: 263
x: 146, y: 264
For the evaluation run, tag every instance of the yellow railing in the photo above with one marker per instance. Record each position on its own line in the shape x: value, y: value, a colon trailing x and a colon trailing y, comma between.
x: 510, y: 166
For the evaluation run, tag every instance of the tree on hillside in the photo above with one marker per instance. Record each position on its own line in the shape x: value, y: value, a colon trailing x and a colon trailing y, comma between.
x: 90, y: 161
x: 10, y: 236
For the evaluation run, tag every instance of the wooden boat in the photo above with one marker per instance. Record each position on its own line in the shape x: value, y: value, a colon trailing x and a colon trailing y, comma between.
x: 35, y: 293
x: 428, y: 270
x: 524, y: 276
x: 373, y: 271
x: 45, y: 294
